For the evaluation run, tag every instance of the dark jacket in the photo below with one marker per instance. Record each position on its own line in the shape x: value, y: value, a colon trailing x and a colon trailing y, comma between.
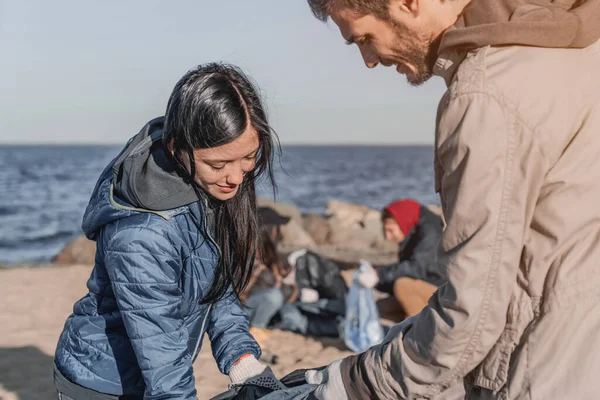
x: 316, y: 272
x: 141, y: 325
x: 417, y: 255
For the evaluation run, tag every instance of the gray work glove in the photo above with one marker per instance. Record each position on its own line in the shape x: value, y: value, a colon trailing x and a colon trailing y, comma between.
x: 249, y: 371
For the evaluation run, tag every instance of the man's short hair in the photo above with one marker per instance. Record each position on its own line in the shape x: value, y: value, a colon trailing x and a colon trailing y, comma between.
x: 322, y: 8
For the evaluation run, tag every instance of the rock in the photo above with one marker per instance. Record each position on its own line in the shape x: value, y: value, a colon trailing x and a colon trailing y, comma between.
x: 78, y: 251
x: 349, y: 257
x: 318, y: 227
x: 386, y: 246
x: 284, y: 209
x: 346, y: 257
x: 294, y: 235
x: 373, y: 227
x: 346, y: 214
x: 353, y: 237
x: 354, y: 226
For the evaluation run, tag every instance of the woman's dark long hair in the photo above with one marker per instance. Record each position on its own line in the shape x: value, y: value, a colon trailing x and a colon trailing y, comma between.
x: 210, y: 106
x: 269, y: 256
x: 268, y: 248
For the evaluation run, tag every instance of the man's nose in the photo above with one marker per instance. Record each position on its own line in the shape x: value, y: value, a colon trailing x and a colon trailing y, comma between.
x: 369, y: 57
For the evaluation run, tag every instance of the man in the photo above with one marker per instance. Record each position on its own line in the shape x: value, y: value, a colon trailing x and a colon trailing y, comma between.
x: 517, y: 166
x: 417, y: 274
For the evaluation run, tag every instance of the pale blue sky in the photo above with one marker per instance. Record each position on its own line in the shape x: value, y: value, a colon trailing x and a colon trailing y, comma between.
x: 94, y: 71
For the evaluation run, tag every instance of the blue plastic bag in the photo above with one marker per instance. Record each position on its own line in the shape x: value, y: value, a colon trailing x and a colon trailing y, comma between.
x: 362, y: 327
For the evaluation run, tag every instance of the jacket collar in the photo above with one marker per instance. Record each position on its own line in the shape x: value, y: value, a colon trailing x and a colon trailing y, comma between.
x: 447, y: 64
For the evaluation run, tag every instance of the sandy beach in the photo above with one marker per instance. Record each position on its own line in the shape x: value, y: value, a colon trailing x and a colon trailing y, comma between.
x: 36, y: 302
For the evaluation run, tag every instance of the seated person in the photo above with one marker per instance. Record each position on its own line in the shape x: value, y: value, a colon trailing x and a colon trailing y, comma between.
x: 304, y: 293
x: 268, y: 289
x: 321, y: 306
x: 417, y: 274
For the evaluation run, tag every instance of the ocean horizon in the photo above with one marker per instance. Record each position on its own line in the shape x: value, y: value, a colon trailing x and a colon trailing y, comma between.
x: 44, y: 189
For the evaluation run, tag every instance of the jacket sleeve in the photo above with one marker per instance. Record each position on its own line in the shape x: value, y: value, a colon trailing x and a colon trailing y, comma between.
x: 492, y: 171
x: 417, y: 265
x: 144, y: 269
x: 228, y: 330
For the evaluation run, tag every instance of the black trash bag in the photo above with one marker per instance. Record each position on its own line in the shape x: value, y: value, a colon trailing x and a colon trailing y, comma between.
x: 321, y: 274
x: 253, y: 392
x: 244, y: 392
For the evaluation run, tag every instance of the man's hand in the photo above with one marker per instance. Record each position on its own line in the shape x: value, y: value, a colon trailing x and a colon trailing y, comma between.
x: 331, y: 386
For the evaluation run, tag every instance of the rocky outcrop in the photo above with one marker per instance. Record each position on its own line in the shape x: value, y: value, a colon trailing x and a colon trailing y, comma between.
x: 78, y: 251
x: 318, y: 227
x: 294, y: 235
x: 346, y: 233
x: 357, y: 227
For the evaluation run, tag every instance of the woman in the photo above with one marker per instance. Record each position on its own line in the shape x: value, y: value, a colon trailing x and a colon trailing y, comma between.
x: 174, y: 219
x: 417, y: 274
x: 272, y: 284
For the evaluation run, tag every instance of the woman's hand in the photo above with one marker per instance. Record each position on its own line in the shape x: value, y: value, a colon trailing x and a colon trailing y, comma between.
x: 294, y: 295
x: 249, y: 371
x: 278, y: 277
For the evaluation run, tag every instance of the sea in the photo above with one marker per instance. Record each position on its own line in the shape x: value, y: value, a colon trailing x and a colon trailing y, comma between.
x: 44, y: 190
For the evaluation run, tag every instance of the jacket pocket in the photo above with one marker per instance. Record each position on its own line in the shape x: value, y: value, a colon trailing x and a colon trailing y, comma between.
x: 492, y: 373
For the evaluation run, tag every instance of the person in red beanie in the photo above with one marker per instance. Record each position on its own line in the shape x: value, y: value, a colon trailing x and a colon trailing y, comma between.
x: 417, y: 274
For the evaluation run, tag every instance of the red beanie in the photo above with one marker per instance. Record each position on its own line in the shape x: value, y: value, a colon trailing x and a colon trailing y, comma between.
x: 406, y: 213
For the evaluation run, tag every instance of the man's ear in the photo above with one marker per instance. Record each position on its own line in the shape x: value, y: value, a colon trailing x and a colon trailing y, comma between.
x: 404, y: 6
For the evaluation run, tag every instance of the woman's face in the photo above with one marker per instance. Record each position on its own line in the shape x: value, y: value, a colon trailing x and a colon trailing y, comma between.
x: 221, y: 170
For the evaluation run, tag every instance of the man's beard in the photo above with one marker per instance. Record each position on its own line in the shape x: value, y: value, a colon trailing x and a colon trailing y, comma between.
x: 419, y: 51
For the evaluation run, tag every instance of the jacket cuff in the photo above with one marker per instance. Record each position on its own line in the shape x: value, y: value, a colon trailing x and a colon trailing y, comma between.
x: 358, y: 384
x: 354, y: 385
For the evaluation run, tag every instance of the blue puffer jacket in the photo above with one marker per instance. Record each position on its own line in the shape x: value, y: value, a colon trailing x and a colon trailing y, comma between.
x: 141, y: 325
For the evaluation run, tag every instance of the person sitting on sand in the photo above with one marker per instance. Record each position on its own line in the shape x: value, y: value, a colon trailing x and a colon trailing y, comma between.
x: 417, y: 274
x: 321, y: 305
x: 303, y: 293
x: 271, y: 284
x: 174, y: 220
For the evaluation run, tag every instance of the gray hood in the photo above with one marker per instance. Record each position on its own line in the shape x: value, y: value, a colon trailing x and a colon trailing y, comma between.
x: 144, y: 177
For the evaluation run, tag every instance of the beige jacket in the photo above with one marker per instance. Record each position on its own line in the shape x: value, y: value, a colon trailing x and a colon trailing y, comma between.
x: 518, y: 171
